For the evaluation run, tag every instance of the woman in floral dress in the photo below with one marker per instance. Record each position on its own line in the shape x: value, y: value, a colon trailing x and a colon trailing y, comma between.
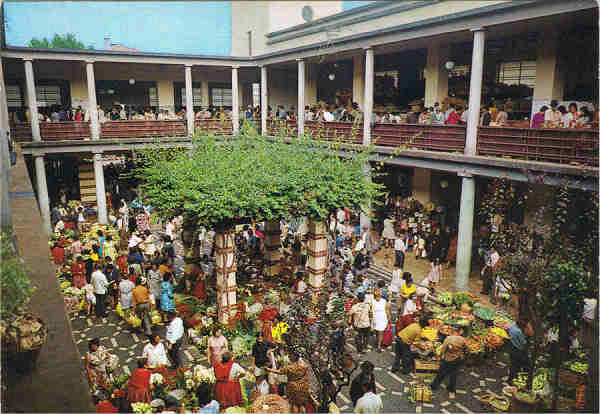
x: 97, y: 361
x: 297, y: 390
x: 217, y: 345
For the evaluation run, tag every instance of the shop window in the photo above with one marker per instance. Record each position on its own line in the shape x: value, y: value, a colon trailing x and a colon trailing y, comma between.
x: 256, y: 94
x: 196, y: 96
x: 517, y: 73
x: 153, y: 97
x: 220, y: 97
x: 13, y: 96
x: 47, y: 95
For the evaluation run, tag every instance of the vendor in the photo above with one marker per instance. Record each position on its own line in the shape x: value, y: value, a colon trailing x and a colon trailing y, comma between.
x: 518, y: 348
x: 452, y: 354
x: 260, y: 355
x: 406, y: 337
x: 217, y: 345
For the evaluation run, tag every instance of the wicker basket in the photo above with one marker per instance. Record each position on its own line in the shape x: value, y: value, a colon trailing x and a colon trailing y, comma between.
x: 270, y: 404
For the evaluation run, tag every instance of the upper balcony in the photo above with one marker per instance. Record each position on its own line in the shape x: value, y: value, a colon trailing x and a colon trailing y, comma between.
x: 561, y: 145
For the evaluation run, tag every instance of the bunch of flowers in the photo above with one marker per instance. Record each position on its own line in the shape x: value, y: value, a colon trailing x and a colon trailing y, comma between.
x: 156, y: 379
x: 198, y: 376
x: 142, y: 408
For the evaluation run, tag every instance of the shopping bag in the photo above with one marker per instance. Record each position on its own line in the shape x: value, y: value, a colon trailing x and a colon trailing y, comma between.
x: 388, y: 335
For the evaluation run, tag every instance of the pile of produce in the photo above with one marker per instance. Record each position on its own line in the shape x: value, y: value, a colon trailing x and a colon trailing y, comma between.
x: 484, y: 313
x: 74, y: 298
x: 538, y: 381
x: 473, y: 346
x: 128, y: 316
x: 493, y: 341
x: 445, y: 298
x: 463, y: 298
x: 24, y: 333
x: 577, y: 366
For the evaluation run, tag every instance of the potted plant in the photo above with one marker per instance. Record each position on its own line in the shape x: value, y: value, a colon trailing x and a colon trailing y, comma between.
x: 22, y: 333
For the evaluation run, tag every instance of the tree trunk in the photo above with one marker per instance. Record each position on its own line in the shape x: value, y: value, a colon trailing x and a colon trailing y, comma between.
x: 272, y: 248
x: 225, y: 270
x: 318, y: 251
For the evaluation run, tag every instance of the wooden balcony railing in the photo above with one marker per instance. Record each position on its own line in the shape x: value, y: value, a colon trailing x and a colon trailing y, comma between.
x: 142, y: 129
x: 549, y: 145
x: 214, y: 126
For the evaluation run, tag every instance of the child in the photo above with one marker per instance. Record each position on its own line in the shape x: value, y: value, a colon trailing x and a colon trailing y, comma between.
x: 89, y: 297
x: 420, y: 252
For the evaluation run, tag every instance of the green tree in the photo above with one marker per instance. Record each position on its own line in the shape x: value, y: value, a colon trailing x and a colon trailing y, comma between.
x: 66, y: 41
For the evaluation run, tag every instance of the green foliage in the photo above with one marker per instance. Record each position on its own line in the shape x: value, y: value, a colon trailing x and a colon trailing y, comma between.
x: 222, y: 181
x: 15, y: 287
x: 66, y: 41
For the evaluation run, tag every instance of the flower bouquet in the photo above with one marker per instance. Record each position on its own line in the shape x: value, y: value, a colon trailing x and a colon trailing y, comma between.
x: 156, y: 379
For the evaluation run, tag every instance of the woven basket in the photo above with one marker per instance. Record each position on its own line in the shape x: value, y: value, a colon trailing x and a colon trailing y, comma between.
x: 270, y: 404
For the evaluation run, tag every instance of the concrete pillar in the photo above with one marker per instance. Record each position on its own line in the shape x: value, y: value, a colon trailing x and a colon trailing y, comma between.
x: 264, y: 100
x: 225, y: 270
x: 436, y: 75
x: 358, y: 80
x: 235, y: 100
x: 42, y: 192
x: 91, y: 87
x: 318, y: 252
x: 310, y: 84
x: 189, y: 100
x: 166, y: 95
x: 368, y: 97
x: 465, y: 233
x: 301, y: 85
x: 475, y: 90
x: 5, y: 213
x: 422, y: 185
x: 100, y: 190
x: 32, y: 100
x: 549, y: 82
x: 272, y: 246
x: 205, y: 94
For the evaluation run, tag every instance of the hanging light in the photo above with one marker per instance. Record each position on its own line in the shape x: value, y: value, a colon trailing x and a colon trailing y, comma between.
x: 132, y: 81
x: 110, y: 91
x: 449, y: 65
x: 444, y: 184
x: 331, y: 76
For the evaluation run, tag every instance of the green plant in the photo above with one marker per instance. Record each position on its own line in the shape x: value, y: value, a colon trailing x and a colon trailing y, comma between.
x: 15, y: 287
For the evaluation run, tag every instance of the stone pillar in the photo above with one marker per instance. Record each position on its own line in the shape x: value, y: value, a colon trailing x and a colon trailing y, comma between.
x: 225, y: 270
x: 100, y: 190
x: 32, y: 100
x: 92, y: 105
x: 358, y: 80
x: 475, y: 90
x: 549, y: 82
x: 272, y: 247
x: 465, y: 233
x: 318, y: 253
x: 436, y: 75
x: 42, y: 191
x: 189, y: 100
x: 235, y: 100
x: 264, y: 100
x: 368, y: 98
x: 301, y: 85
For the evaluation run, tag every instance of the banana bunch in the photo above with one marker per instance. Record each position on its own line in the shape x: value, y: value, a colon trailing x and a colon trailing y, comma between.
x: 579, y: 367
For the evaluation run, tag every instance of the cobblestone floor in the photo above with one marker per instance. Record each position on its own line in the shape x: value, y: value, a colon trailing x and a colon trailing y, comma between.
x: 474, y: 380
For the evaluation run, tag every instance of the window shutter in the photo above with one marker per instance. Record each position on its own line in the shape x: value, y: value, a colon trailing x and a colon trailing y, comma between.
x: 47, y: 95
x: 13, y: 96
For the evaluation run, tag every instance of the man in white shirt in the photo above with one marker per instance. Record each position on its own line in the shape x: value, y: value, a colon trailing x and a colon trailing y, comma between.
x: 400, y: 248
x: 328, y: 116
x: 99, y: 283
x: 369, y: 403
x: 464, y: 117
x: 552, y: 116
x: 174, y: 337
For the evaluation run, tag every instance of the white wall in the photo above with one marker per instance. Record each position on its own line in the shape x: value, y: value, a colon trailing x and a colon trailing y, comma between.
x: 285, y: 14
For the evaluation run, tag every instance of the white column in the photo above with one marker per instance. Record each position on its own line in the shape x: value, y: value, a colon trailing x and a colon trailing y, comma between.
x: 368, y: 98
x: 358, y: 80
x: 475, y: 90
x: 5, y: 213
x: 189, y: 100
x: 42, y: 192
x: 92, y: 105
x: 264, y: 101
x: 436, y: 75
x: 31, y: 97
x: 465, y: 233
x: 235, y: 100
x: 100, y: 191
x: 301, y: 83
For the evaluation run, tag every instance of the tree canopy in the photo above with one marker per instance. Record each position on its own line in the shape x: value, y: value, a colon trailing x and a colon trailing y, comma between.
x: 66, y: 41
x: 223, y: 181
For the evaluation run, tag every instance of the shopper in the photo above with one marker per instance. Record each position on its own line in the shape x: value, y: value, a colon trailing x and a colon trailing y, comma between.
x: 406, y: 337
x: 452, y: 355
